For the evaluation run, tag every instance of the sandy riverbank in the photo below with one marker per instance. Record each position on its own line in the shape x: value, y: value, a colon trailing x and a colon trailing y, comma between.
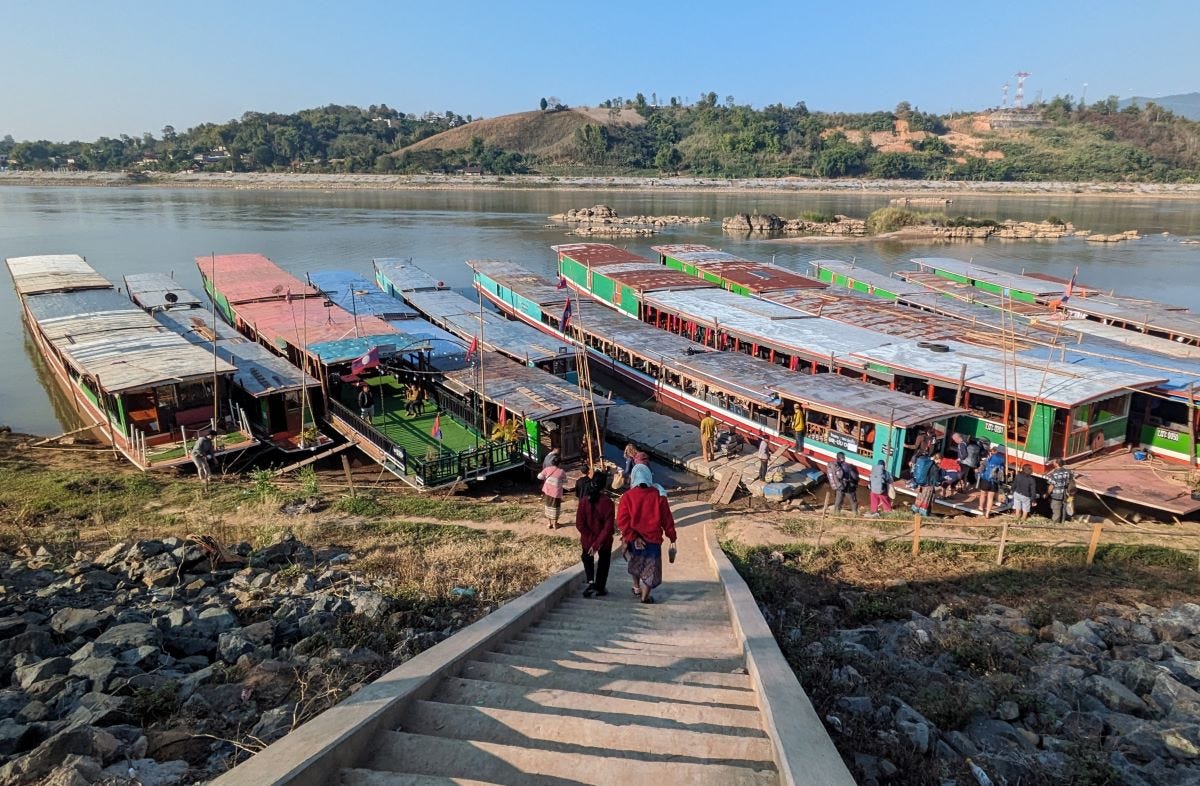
x: 351, y: 182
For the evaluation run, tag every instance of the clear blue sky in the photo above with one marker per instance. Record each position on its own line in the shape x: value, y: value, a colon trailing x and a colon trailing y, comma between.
x: 78, y: 70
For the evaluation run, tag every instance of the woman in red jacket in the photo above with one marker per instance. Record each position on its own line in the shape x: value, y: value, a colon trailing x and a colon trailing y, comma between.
x: 644, y: 517
x: 595, y: 519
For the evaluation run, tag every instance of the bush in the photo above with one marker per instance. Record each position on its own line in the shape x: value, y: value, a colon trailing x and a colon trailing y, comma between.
x: 889, y: 219
x: 817, y: 217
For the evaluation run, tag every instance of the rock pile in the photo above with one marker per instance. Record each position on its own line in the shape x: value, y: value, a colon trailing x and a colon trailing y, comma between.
x: 1112, y: 698
x: 771, y: 223
x: 147, y: 662
x: 602, y: 220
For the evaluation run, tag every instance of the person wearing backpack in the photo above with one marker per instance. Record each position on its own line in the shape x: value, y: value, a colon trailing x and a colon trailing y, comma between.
x: 927, y: 477
x: 843, y: 478
x: 993, y: 476
x: 970, y: 464
x: 881, y: 479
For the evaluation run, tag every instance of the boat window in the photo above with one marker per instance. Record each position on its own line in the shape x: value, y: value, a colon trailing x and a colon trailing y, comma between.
x: 1169, y: 414
x: 987, y: 407
x: 945, y: 395
x: 194, y: 394
x: 1110, y: 409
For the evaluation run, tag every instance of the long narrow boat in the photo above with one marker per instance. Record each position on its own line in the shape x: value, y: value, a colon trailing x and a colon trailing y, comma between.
x: 296, y: 320
x: 1158, y: 417
x: 866, y: 422
x: 145, y: 390
x: 524, y: 370
x: 274, y: 395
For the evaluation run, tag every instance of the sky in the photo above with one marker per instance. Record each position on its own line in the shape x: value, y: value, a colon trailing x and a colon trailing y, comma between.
x: 80, y: 70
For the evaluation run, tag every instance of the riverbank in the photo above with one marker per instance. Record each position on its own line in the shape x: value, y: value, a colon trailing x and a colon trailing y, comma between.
x: 284, y: 181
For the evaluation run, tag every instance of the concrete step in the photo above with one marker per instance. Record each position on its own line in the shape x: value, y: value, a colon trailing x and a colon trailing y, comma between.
x: 621, y: 601
x: 583, y: 651
x: 521, y: 766
x: 573, y: 621
x: 361, y: 777
x: 707, y: 648
x: 625, y: 671
x: 663, y: 714
x: 604, y: 685
x: 571, y: 734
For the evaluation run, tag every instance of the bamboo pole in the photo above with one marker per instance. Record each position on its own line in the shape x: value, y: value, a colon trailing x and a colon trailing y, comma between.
x: 916, y: 537
x: 349, y: 476
x: 1003, y: 543
x: 1094, y: 543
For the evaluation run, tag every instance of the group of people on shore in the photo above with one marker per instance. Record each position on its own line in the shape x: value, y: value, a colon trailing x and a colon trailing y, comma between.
x: 642, y: 518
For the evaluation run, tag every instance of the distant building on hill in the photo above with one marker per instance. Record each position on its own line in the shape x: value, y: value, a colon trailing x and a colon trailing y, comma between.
x: 1016, y: 118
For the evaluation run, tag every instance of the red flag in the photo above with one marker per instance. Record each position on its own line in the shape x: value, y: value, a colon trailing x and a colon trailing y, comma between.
x: 369, y: 360
x: 562, y: 282
x: 474, y: 345
x: 436, y: 431
x: 503, y: 416
x: 566, y: 317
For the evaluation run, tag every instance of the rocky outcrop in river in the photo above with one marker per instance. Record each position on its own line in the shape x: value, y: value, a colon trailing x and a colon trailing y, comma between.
x: 771, y: 223
x: 156, y: 663
x: 602, y: 220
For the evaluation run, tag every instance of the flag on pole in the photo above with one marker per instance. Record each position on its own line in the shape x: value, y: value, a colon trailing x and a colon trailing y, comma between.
x: 1070, y: 286
x: 474, y: 345
x: 503, y: 416
x: 369, y: 360
x: 562, y: 282
x: 436, y: 432
x: 566, y: 317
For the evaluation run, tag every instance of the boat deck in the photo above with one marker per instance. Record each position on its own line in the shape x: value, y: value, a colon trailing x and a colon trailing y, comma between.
x: 1150, y: 483
x: 413, y: 434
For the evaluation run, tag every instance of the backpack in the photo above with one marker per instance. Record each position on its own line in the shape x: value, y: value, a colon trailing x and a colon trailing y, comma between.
x: 849, y: 477
x: 996, y: 473
x: 921, y: 469
x: 963, y: 452
x: 974, y: 452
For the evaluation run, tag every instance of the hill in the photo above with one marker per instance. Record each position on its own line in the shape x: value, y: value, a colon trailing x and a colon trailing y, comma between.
x: 1183, y: 104
x: 543, y: 134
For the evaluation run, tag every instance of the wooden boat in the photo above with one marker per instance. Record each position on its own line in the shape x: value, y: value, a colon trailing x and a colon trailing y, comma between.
x: 274, y: 395
x: 865, y: 422
x: 144, y: 389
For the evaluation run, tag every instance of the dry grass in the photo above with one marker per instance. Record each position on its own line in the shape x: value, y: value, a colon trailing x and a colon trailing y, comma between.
x: 538, y: 133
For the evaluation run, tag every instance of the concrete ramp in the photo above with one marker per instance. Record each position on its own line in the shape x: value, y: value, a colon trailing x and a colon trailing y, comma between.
x: 554, y: 688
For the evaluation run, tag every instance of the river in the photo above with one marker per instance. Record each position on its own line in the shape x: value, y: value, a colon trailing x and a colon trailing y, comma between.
x: 131, y: 230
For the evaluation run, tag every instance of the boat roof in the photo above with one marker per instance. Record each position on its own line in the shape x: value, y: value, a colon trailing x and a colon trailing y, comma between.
x: 1180, y: 375
x: 755, y: 276
x: 871, y: 278
x: 308, y: 323
x: 357, y: 294
x: 597, y: 254
x: 528, y: 284
x: 461, y: 316
x: 444, y: 350
x: 522, y: 389
x: 54, y: 273
x: 1022, y: 283
x: 250, y: 278
x: 1110, y: 334
x: 105, y: 336
x: 772, y: 323
x: 155, y: 291
x: 988, y: 369
x: 404, y: 276
x: 1146, y: 314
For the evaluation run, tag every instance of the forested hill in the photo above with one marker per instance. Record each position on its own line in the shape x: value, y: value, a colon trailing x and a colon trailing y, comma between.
x: 1059, y: 140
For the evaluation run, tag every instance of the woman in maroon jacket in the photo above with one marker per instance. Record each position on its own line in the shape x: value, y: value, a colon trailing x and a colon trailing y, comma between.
x: 595, y: 520
x: 644, y: 517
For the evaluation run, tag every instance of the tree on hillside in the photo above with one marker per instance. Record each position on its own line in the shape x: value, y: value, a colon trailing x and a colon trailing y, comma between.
x: 544, y: 103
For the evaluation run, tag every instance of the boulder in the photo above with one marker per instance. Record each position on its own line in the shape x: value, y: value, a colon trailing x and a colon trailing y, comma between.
x: 16, y: 737
x: 998, y: 736
x: 216, y: 619
x: 43, y: 669
x: 1114, y: 695
x: 148, y: 772
x: 1174, y: 699
x: 1178, y: 623
x: 253, y: 639
x: 70, y: 623
x: 99, y: 709
x: 85, y: 741
x: 130, y: 636
x: 102, y: 673
x: 369, y: 603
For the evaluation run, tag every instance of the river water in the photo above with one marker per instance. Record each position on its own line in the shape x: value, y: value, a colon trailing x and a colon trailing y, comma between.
x: 131, y: 230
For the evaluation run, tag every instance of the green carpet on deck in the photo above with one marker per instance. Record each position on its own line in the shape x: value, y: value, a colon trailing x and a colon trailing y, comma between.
x: 414, y: 434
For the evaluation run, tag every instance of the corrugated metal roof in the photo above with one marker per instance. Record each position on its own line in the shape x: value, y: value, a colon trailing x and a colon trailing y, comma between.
x: 756, y: 276
x: 1111, y: 334
x: 988, y: 369
x: 1144, y: 313
x: 150, y: 291
x: 53, y: 273
x: 248, y: 278
x: 865, y: 275
x: 526, y: 391
x: 813, y: 336
x: 597, y: 254
x: 1021, y: 283
x: 654, y: 279
x: 404, y: 276
x: 532, y: 287
x: 1178, y: 379
x: 103, y: 335
x: 359, y: 295
x: 444, y: 349
x: 306, y: 322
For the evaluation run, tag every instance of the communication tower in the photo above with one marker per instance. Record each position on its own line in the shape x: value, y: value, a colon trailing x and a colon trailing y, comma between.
x: 1019, y: 97
x: 1004, y: 100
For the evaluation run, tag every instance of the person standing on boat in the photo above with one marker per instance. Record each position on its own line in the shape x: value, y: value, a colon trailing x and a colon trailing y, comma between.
x: 644, y: 518
x: 595, y: 518
x: 970, y: 464
x: 708, y: 433
x: 1024, y: 490
x: 993, y: 476
x: 1062, y: 484
x: 797, y: 450
x: 554, y: 480
x: 881, y: 480
x: 202, y: 456
x: 366, y: 402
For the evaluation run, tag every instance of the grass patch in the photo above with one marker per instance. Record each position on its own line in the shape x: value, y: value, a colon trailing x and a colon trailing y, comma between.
x: 452, y: 509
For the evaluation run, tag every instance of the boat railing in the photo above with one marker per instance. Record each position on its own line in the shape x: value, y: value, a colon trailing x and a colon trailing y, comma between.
x: 394, y: 453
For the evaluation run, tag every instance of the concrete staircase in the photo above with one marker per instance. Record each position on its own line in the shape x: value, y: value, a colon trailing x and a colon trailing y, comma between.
x: 598, y: 691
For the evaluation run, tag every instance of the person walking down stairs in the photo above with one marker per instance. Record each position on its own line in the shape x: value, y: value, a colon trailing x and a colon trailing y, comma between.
x: 644, y: 518
x: 595, y: 518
